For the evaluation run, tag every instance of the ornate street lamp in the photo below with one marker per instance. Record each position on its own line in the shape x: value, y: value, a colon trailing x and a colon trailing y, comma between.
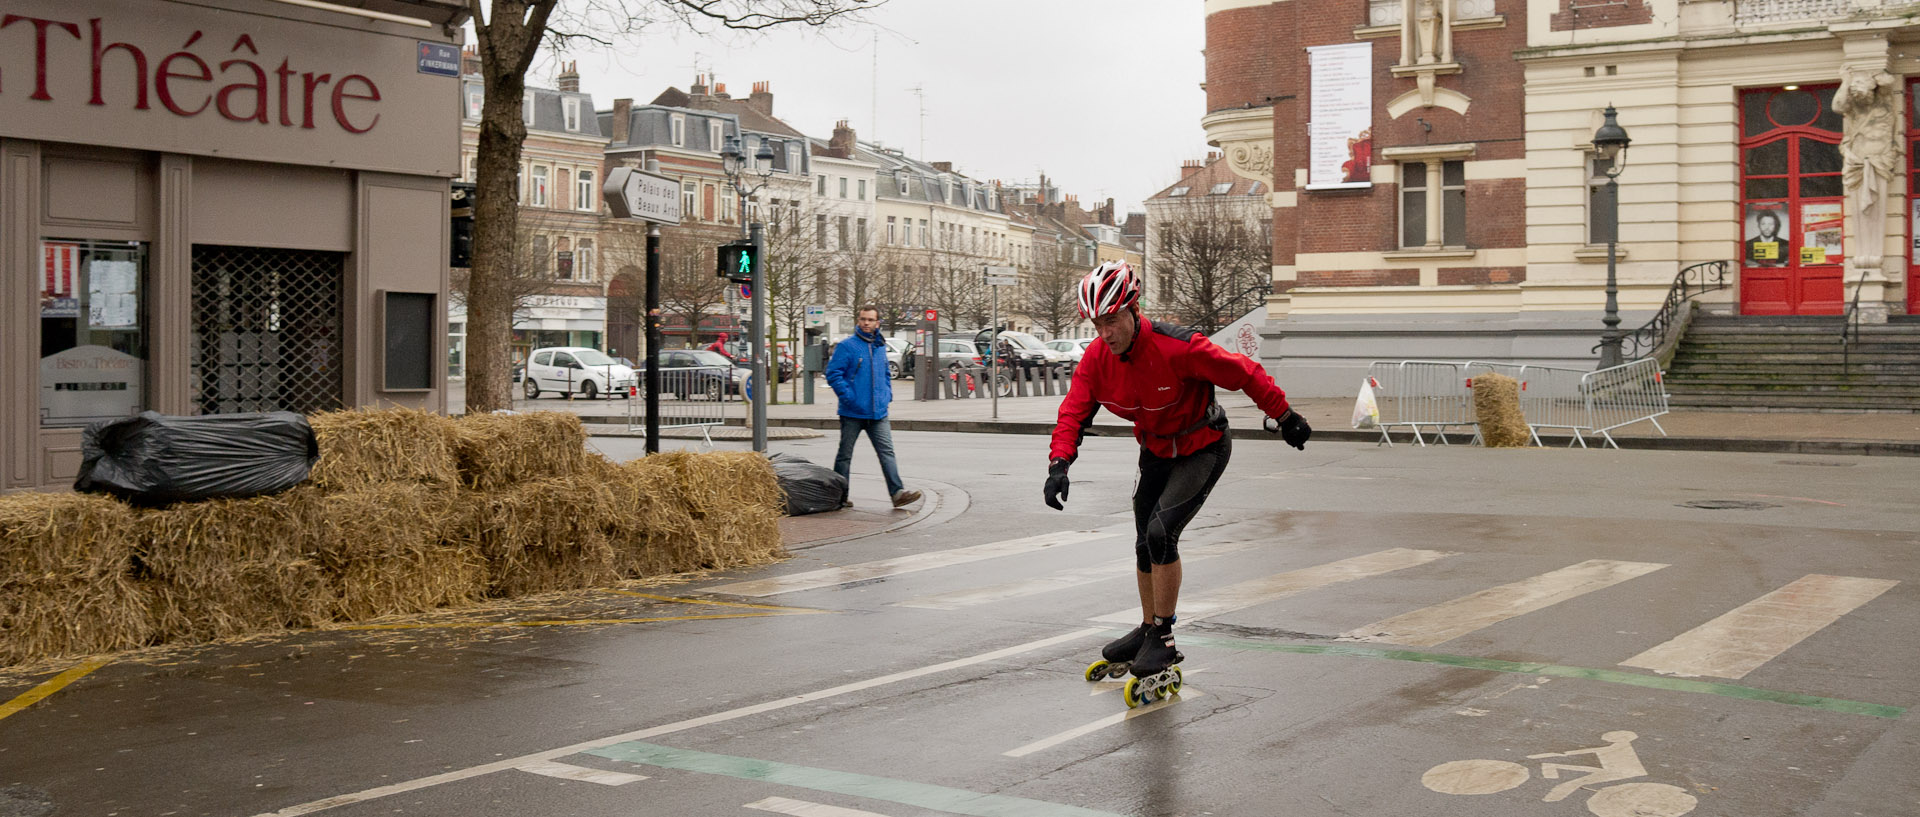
x: 1610, y: 143
x: 734, y: 163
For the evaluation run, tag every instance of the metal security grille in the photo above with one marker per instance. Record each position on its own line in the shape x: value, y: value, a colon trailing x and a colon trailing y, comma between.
x: 266, y: 330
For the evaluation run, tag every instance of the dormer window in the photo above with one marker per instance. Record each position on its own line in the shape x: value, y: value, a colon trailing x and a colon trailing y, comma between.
x: 677, y: 130
x: 716, y: 135
x: 1178, y: 191
x: 1220, y: 189
x: 526, y: 108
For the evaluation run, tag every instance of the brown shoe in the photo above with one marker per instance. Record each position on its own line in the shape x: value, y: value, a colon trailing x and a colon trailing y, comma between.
x: 906, y: 496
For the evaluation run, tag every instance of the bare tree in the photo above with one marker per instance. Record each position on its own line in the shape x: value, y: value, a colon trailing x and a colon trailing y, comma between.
x: 1214, y: 257
x: 898, y: 288
x: 690, y: 284
x: 954, y: 286
x: 797, y: 258
x: 1046, y: 295
x: 509, y: 33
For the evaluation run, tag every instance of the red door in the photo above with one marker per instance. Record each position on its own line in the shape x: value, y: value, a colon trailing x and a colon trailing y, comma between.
x: 1791, y: 254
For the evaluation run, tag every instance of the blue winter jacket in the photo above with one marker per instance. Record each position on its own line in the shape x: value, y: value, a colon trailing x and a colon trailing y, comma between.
x: 858, y: 375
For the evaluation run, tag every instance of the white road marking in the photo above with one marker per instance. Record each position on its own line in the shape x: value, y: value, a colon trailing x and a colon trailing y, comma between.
x: 681, y: 726
x: 802, y: 808
x: 828, y: 577
x: 1451, y: 619
x: 1186, y: 693
x: 1754, y: 633
x: 1258, y: 591
x: 580, y: 773
x: 1075, y: 577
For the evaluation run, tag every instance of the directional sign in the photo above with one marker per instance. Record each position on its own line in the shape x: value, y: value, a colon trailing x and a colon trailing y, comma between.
x: 1000, y: 276
x: 638, y: 194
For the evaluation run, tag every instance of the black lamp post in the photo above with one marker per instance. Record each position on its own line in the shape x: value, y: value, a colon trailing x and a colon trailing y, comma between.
x: 734, y: 163
x: 1610, y: 143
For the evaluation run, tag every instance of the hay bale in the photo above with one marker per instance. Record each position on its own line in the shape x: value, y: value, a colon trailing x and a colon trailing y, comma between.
x: 66, y: 577
x: 541, y: 536
x: 497, y: 451
x: 364, y: 447
x: 384, y: 550
x: 699, y: 512
x: 1496, y: 405
x: 228, y: 567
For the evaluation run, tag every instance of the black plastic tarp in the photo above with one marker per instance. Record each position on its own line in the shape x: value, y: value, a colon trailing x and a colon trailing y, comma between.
x: 154, y: 458
x: 808, y: 488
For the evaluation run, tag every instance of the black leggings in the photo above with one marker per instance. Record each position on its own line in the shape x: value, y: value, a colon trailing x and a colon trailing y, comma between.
x: 1168, y: 496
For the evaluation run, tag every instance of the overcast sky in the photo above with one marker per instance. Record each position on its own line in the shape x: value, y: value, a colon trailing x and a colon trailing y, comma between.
x: 1101, y: 95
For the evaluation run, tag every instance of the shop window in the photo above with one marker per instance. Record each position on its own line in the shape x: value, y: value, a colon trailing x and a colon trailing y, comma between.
x: 266, y: 332
x: 93, y: 331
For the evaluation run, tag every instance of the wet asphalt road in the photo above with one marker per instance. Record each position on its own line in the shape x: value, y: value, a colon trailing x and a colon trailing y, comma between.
x: 957, y: 688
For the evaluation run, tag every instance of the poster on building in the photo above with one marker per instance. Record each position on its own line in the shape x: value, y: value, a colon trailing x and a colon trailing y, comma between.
x: 1820, y: 231
x: 1766, y: 235
x: 58, y: 279
x: 1340, y: 126
x: 111, y: 301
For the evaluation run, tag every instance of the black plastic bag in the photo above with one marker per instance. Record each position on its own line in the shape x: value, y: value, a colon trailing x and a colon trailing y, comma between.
x: 808, y: 488
x: 155, y: 459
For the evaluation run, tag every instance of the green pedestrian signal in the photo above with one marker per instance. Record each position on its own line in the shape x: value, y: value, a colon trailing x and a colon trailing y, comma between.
x: 738, y: 262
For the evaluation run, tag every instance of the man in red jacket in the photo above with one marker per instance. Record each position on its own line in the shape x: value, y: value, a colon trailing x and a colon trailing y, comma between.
x: 1162, y: 378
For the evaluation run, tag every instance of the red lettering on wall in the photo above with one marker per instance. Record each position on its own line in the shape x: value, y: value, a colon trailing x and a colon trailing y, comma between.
x: 340, y: 96
x: 283, y: 72
x: 258, y: 87
x: 40, y: 48
x: 311, y: 82
x: 163, y: 78
x: 139, y: 67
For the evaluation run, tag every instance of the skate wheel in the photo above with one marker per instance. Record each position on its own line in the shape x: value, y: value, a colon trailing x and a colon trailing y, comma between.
x: 1117, y: 670
x: 1133, y: 693
x: 1173, y: 686
x: 1097, y: 670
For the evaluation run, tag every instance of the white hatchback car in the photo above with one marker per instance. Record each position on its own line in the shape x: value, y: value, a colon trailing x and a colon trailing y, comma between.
x: 576, y: 370
x: 1073, y: 348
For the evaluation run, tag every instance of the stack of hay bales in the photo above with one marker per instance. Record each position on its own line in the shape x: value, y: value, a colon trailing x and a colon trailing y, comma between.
x: 1496, y: 405
x: 406, y: 511
x: 67, y: 582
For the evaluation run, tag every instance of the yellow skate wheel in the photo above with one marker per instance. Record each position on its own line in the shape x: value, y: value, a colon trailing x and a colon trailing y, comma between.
x: 1097, y: 670
x: 1173, y: 687
x: 1133, y: 700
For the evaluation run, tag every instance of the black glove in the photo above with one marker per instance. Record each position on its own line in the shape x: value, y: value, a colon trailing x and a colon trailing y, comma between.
x: 1056, y: 490
x: 1291, y: 427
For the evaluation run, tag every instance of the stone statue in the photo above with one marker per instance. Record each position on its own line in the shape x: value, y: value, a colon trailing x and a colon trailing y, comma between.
x: 1870, y: 146
x: 1429, y: 26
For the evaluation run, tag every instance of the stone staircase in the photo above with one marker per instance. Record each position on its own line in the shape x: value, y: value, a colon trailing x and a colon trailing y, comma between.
x: 1729, y: 363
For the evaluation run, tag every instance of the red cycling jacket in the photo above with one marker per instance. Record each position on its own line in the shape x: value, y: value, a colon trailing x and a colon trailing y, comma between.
x: 1164, y: 384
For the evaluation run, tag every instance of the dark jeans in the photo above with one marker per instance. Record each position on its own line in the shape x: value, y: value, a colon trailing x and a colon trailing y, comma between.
x: 882, y: 436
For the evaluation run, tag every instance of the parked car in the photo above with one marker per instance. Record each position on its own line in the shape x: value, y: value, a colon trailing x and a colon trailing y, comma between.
x: 1020, y: 349
x: 956, y: 353
x: 1073, y: 348
x: 685, y: 372
x: 897, y: 358
x: 578, y: 370
x: 742, y: 354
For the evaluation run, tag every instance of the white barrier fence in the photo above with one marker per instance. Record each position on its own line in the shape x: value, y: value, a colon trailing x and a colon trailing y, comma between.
x: 690, y: 397
x: 1438, y: 396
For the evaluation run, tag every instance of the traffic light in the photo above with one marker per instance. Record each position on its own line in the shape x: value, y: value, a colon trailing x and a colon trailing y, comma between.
x: 460, y: 240
x: 739, y: 262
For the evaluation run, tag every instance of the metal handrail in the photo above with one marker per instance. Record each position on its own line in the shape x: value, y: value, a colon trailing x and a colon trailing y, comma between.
x: 1850, y: 322
x: 1664, y: 329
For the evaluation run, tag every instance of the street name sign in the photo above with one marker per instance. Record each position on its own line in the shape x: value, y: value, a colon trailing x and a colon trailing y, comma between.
x: 632, y: 193
x: 1001, y: 276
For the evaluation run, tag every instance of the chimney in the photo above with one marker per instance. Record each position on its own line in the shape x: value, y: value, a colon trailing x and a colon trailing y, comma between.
x: 570, y: 77
x: 622, y: 120
x: 762, y: 98
x: 842, y: 143
x: 470, y: 60
x: 1188, y: 166
x: 943, y: 167
x: 1106, y: 214
x: 720, y: 91
x: 699, y: 86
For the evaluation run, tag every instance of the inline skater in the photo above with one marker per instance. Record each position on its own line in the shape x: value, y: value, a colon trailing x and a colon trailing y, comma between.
x: 1161, y: 378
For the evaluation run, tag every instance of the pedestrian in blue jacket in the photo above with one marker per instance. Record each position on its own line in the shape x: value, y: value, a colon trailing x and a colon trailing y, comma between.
x: 858, y: 375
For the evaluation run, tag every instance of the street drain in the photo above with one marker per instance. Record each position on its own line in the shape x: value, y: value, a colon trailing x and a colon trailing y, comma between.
x: 1728, y: 505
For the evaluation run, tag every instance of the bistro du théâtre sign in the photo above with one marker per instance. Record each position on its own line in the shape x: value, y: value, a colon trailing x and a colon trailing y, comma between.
x: 311, y: 87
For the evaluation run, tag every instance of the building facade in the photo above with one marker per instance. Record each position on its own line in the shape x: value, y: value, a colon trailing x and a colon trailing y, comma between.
x: 1436, y: 193
x: 255, y: 220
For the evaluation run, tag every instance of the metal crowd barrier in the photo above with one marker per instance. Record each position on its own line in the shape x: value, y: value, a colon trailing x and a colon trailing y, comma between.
x: 1416, y: 393
x: 690, y: 397
x: 1584, y: 402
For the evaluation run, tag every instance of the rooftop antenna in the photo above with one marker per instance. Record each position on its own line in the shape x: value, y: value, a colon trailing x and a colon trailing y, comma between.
x: 920, y: 92
x: 873, y: 93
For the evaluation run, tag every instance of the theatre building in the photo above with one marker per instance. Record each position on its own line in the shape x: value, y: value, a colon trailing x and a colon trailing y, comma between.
x: 216, y: 207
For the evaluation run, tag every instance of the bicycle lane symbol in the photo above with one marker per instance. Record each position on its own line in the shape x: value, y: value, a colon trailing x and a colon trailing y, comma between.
x: 1617, y: 761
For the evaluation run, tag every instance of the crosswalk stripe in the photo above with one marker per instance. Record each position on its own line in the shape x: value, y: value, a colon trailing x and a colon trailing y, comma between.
x: 581, y: 773
x: 828, y: 577
x: 802, y: 808
x: 1451, y: 619
x: 1743, y: 638
x: 1075, y: 577
x: 1261, y: 590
